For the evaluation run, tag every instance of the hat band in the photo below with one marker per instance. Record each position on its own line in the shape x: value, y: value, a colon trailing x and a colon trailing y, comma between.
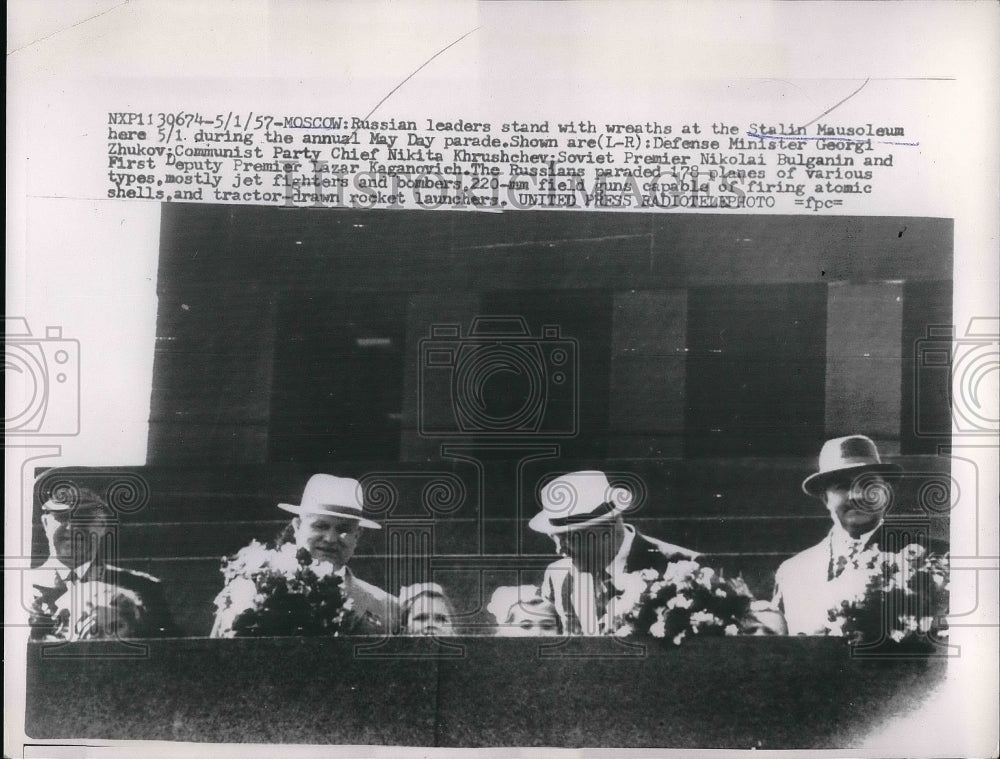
x: 605, y: 508
x: 333, y: 509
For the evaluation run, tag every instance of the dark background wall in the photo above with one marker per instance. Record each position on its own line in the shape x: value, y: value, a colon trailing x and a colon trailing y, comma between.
x: 706, y: 359
x: 295, y: 335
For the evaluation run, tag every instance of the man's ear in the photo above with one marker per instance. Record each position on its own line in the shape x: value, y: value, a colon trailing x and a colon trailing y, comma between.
x: 296, y: 522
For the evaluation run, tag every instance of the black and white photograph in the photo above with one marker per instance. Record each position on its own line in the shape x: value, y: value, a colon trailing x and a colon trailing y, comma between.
x: 681, y: 454
x: 504, y: 377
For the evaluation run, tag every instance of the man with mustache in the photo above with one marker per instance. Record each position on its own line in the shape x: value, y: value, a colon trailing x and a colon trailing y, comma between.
x: 852, y: 481
x: 78, y: 594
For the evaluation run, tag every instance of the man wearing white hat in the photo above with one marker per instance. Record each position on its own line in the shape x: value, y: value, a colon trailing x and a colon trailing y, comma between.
x: 328, y: 522
x: 582, y: 513
x: 851, y: 480
x: 77, y: 594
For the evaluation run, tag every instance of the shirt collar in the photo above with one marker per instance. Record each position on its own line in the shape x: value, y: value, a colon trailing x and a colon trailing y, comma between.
x: 843, y: 541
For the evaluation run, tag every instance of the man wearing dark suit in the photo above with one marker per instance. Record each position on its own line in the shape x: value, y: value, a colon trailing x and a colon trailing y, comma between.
x: 852, y: 481
x: 582, y: 514
x: 77, y: 593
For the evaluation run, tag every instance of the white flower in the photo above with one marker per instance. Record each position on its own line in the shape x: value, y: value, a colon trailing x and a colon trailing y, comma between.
x: 910, y: 560
x: 284, y: 560
x: 249, y: 559
x: 241, y: 593
x: 679, y: 572
x: 322, y: 569
x: 701, y: 619
x: 679, y: 601
x: 678, y: 638
x: 720, y: 592
x: 633, y: 585
x: 869, y: 558
x: 836, y: 627
x: 658, y: 629
x: 732, y: 630
x: 705, y: 577
x: 646, y: 575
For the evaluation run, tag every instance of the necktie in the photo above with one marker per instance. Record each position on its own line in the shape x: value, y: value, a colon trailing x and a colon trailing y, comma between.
x: 586, y: 598
x: 852, y: 554
x: 848, y: 558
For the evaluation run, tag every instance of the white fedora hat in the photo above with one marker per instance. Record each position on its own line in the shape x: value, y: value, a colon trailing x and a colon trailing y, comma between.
x: 846, y: 457
x: 578, y: 500
x: 340, y: 497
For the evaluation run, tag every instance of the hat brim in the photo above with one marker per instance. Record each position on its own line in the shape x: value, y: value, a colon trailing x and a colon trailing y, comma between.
x: 294, y: 509
x: 815, y: 484
x: 57, y: 507
x: 540, y: 522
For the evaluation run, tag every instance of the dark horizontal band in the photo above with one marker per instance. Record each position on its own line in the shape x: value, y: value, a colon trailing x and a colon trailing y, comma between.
x: 602, y: 510
x: 334, y: 510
